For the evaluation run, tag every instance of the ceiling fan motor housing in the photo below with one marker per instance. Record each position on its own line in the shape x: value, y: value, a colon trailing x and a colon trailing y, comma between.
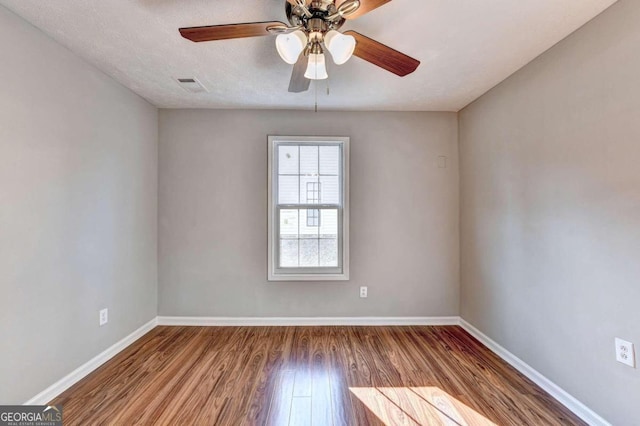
x: 324, y: 16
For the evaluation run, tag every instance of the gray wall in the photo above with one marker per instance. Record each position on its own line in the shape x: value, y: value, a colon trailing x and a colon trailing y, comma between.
x: 550, y: 177
x: 213, y: 215
x: 78, y: 187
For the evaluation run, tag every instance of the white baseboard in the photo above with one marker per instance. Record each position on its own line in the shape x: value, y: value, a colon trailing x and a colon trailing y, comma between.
x: 306, y: 321
x: 577, y: 407
x: 79, y: 373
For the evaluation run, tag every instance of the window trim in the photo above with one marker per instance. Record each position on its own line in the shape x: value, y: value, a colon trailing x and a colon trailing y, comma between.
x: 343, y: 219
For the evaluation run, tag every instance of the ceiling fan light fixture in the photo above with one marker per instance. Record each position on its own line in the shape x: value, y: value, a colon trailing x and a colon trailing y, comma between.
x: 340, y: 46
x: 317, y: 67
x: 291, y: 45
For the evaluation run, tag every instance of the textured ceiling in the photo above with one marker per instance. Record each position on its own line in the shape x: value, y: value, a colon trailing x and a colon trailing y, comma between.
x: 466, y: 47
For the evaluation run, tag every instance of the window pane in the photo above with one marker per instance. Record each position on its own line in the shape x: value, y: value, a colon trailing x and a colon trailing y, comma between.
x: 289, y: 238
x: 310, y: 190
x: 308, y: 160
x: 329, y: 160
x: 305, y: 230
x: 309, y: 253
x: 289, y: 253
x: 313, y: 192
x: 287, y: 160
x: 329, y: 252
x: 313, y: 217
x: 328, y: 223
x: 289, y: 224
x: 288, y: 190
x: 330, y: 193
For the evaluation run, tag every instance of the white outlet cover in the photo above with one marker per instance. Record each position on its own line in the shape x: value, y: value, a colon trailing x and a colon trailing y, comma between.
x: 104, y: 317
x: 625, y: 353
x: 363, y: 292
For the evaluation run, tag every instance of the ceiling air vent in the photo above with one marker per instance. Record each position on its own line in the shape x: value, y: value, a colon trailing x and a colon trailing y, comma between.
x: 191, y: 85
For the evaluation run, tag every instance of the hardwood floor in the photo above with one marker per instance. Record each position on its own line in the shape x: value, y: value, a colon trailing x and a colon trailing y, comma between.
x: 309, y: 376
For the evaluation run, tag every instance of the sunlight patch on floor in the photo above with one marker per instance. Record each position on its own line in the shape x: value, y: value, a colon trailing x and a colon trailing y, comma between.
x: 418, y: 406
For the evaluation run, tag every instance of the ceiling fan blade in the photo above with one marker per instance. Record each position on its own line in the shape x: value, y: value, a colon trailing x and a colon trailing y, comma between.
x: 299, y: 83
x: 383, y: 56
x: 225, y: 32
x: 366, y: 6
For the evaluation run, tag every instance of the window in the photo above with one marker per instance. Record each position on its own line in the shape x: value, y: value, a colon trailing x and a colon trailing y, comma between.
x: 308, y: 208
x: 313, y: 197
x: 313, y: 218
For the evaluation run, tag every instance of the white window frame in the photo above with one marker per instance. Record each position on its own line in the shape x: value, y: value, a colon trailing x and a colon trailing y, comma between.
x: 308, y: 274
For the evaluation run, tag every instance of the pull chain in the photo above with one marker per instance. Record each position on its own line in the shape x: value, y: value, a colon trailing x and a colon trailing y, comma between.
x: 315, y: 88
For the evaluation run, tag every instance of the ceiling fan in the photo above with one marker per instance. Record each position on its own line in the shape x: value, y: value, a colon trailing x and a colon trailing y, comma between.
x: 312, y: 25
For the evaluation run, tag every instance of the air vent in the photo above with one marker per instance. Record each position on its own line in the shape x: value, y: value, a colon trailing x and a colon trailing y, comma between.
x: 191, y: 85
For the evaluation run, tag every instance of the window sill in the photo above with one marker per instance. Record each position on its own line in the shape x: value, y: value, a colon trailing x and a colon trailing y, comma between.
x: 309, y: 277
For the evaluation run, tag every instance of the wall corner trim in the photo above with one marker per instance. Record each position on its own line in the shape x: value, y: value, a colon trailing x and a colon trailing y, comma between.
x: 577, y: 407
x: 79, y: 373
x: 305, y: 321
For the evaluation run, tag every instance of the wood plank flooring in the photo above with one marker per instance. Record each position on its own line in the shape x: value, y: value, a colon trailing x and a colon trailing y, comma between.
x: 309, y: 376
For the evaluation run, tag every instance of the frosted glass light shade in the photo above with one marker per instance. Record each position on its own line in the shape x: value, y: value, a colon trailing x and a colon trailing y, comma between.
x: 291, y: 45
x: 317, y: 67
x: 340, y: 46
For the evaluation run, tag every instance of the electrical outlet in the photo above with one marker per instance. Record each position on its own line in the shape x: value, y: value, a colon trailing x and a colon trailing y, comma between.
x: 104, y: 316
x: 363, y: 292
x: 625, y: 353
